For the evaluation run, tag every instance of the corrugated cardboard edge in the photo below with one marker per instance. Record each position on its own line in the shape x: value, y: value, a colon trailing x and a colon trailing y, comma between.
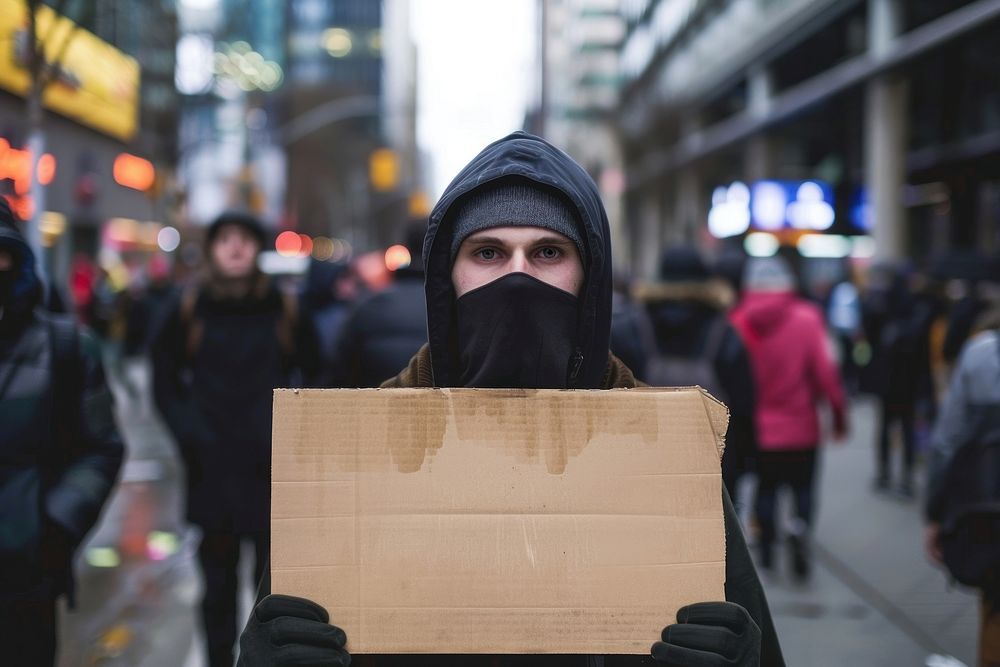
x: 716, y: 411
x: 718, y: 417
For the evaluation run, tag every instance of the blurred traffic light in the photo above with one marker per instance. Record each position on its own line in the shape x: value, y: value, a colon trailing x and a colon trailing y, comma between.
x: 383, y: 170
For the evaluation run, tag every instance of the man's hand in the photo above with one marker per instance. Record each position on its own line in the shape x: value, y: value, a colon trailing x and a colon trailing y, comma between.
x: 710, y: 634
x: 932, y: 543
x: 285, y: 631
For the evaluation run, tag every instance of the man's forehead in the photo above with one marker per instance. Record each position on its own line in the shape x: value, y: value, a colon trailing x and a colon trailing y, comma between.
x: 518, y: 234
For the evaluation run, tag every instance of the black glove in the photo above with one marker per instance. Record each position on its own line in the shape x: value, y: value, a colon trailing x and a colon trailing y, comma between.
x: 710, y: 634
x: 285, y: 631
x: 55, y: 555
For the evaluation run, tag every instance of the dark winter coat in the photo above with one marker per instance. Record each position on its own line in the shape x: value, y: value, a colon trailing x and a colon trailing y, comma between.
x: 381, y: 334
x: 435, y: 365
x: 683, y: 318
x: 215, y: 366
x: 60, y: 451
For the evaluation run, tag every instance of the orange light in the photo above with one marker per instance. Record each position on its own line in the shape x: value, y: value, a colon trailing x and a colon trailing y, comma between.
x: 397, y: 257
x: 134, y: 172
x: 288, y: 244
x: 46, y: 169
x: 307, y: 245
x: 15, y: 164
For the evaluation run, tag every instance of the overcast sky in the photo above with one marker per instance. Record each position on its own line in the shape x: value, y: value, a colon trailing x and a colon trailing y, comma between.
x: 475, y: 79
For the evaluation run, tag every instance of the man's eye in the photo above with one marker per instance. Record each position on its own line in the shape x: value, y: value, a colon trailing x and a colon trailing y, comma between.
x: 487, y: 254
x: 549, y: 253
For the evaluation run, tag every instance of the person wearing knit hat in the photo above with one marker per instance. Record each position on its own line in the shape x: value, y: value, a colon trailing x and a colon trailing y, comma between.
x: 222, y: 347
x: 60, y: 450
x: 518, y: 288
x: 794, y: 372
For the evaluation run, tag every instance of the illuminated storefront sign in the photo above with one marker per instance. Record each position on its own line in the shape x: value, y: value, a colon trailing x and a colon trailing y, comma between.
x: 97, y: 85
x: 771, y: 206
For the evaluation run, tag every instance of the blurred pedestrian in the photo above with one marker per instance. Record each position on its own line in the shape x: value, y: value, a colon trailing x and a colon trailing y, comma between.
x: 385, y: 330
x: 844, y: 315
x: 794, y: 372
x: 628, y: 323
x: 518, y: 290
x: 59, y: 453
x: 225, y: 344
x: 326, y: 303
x: 963, y: 500
x: 690, y: 341
x: 147, y: 305
x: 902, y: 354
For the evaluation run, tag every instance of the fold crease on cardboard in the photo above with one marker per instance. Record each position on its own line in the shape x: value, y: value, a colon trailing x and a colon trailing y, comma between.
x: 498, y: 521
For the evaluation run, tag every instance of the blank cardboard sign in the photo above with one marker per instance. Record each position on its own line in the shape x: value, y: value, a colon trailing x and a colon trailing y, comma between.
x: 498, y: 521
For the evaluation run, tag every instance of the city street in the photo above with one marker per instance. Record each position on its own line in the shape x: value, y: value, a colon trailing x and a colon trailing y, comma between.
x: 873, y: 599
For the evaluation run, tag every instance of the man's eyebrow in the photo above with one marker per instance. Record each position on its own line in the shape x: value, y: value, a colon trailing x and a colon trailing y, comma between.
x: 491, y: 240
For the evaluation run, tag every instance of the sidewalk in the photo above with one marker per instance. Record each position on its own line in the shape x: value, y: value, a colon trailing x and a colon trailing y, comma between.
x: 873, y: 599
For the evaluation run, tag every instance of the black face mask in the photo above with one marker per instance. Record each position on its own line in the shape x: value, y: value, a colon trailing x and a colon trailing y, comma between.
x: 517, y: 332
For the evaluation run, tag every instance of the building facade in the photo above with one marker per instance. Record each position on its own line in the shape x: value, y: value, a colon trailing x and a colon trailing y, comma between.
x: 886, y: 112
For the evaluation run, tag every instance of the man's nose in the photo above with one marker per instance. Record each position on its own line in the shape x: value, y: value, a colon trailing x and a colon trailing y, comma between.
x: 519, y: 262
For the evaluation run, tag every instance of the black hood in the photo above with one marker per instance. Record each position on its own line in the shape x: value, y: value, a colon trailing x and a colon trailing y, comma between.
x: 27, y: 287
x: 521, y: 155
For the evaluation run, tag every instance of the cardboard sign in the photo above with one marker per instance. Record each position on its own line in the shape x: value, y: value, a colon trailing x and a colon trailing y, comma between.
x: 498, y: 521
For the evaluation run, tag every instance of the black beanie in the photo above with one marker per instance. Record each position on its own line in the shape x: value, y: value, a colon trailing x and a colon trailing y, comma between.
x: 244, y: 220
x: 517, y: 203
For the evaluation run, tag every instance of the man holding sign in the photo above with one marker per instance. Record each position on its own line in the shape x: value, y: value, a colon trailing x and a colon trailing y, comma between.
x: 518, y: 288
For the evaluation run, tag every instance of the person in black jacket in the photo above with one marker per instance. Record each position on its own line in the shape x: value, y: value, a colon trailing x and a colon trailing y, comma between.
x: 224, y: 345
x: 386, y: 329
x: 689, y: 329
x: 518, y: 251
x: 59, y: 453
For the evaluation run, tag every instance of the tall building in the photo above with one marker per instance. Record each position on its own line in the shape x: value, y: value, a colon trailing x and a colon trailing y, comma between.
x: 578, y: 52
x: 879, y: 117
x: 351, y: 105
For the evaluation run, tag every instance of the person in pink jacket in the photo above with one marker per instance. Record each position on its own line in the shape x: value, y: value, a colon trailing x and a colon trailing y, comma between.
x: 794, y: 371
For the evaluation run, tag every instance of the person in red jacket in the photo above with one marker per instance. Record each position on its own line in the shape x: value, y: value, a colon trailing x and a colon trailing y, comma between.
x: 794, y: 372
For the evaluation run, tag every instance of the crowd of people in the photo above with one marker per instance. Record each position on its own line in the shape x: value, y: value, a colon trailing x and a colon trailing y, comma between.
x: 510, y: 285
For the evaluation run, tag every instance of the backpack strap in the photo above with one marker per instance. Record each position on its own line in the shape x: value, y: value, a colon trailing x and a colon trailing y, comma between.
x: 64, y: 341
x: 190, y: 324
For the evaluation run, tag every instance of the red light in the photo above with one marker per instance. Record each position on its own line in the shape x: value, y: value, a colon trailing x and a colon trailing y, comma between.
x: 397, y: 257
x: 134, y: 172
x: 307, y: 244
x: 288, y: 244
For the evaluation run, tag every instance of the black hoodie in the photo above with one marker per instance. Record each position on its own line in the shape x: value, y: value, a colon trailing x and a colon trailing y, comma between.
x: 522, y: 155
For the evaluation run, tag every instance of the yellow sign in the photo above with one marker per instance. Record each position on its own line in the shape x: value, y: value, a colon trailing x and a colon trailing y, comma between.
x: 97, y: 85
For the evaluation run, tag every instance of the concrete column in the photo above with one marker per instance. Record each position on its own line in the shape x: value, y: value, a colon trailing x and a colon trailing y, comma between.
x: 885, y: 23
x: 760, y: 91
x: 886, y: 121
x: 759, y: 153
x: 690, y: 214
x: 759, y: 158
x: 650, y: 226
